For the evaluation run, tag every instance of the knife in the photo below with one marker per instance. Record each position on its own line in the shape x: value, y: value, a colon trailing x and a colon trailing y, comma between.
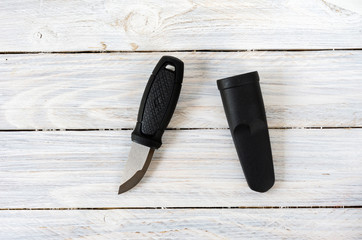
x: 156, y: 109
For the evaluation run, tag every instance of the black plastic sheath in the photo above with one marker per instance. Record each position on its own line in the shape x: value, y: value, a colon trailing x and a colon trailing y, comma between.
x: 244, y: 109
x: 158, y: 102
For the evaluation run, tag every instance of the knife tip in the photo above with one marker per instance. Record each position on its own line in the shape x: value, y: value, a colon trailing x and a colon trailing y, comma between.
x: 120, y: 190
x: 124, y: 188
x: 130, y: 183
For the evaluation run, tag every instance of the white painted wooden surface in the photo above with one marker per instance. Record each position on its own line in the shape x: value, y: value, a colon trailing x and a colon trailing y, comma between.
x: 98, y: 25
x: 194, y: 168
x: 60, y: 172
x: 183, y: 224
x: 351, y: 5
x: 69, y: 91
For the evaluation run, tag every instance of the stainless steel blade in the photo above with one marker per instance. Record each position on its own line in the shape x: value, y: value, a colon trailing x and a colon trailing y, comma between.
x: 139, y: 159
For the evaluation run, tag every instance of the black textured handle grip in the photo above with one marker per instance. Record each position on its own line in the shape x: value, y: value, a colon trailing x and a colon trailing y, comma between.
x: 159, y: 102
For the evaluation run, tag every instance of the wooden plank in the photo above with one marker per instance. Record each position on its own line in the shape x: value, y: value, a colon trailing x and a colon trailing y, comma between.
x: 183, y: 224
x: 72, y: 91
x: 193, y: 168
x: 95, y: 25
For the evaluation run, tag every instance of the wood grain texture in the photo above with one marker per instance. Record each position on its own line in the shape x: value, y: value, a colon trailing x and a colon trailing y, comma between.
x: 183, y: 224
x: 73, y: 91
x: 89, y: 25
x: 193, y: 168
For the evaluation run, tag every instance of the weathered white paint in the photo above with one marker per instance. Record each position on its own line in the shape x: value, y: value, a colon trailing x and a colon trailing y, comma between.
x: 98, y: 25
x: 69, y: 91
x: 183, y: 224
x: 193, y: 168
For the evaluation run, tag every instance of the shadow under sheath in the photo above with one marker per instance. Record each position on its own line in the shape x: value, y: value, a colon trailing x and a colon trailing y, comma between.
x: 245, y: 113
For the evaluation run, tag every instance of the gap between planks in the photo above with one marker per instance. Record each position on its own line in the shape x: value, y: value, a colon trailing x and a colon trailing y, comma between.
x: 170, y: 129
x: 183, y: 51
x: 136, y: 208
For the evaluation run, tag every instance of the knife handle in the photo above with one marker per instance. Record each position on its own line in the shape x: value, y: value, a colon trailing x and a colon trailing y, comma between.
x: 158, y: 102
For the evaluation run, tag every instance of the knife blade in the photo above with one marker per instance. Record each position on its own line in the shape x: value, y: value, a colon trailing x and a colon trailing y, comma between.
x: 156, y: 109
